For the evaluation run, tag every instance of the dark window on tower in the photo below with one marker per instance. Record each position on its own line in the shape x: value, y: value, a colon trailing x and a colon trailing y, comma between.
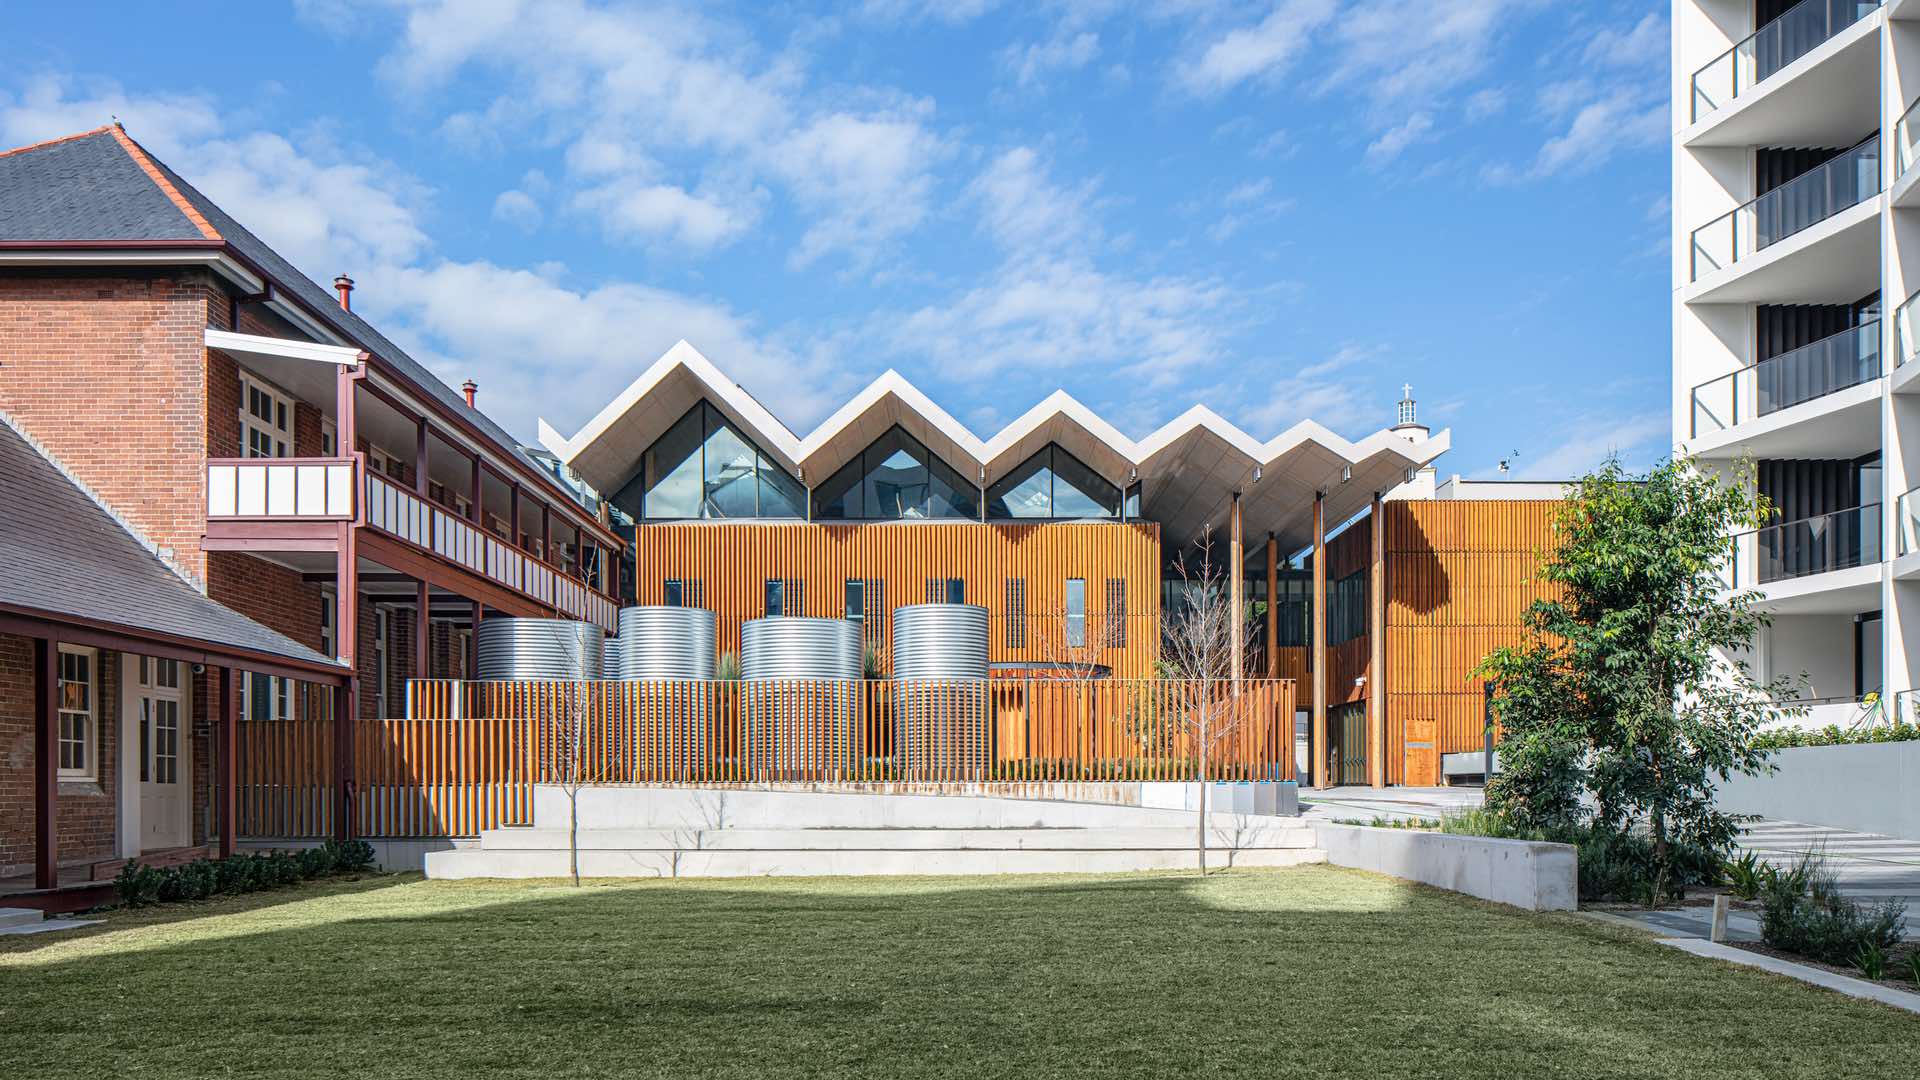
x: 673, y: 593
x: 776, y: 596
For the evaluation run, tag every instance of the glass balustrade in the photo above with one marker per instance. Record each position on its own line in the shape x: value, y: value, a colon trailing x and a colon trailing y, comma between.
x: 1834, y: 363
x: 1796, y: 32
x: 1847, y: 180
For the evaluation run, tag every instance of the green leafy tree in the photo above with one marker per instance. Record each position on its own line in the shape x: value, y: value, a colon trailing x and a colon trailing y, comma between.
x: 1629, y: 698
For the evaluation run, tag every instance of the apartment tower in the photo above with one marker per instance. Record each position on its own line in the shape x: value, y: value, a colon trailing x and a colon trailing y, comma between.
x: 1796, y: 257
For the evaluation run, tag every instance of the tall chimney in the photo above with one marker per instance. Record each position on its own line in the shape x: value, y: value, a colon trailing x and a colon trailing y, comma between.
x: 469, y: 388
x: 344, y: 284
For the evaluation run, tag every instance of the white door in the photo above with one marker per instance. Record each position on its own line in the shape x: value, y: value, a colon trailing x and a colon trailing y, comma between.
x: 161, y: 734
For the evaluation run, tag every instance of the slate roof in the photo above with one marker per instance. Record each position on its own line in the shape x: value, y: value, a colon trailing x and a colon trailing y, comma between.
x: 96, y: 186
x: 63, y: 556
x: 85, y: 188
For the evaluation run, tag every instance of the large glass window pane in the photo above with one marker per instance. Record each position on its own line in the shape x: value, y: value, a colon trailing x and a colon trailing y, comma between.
x: 731, y: 472
x: 1079, y: 492
x: 950, y: 495
x: 776, y: 596
x: 1076, y: 612
x: 896, y: 481
x: 672, y: 470
x: 856, y: 606
x: 1026, y: 492
x: 839, y: 498
x: 781, y: 496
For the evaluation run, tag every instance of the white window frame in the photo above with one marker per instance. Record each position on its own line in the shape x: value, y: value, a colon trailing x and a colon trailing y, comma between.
x: 329, y: 438
x: 279, y: 436
x: 278, y: 689
x: 89, y: 739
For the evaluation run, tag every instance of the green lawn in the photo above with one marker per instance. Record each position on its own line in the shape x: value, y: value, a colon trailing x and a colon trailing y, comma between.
x: 1314, y: 972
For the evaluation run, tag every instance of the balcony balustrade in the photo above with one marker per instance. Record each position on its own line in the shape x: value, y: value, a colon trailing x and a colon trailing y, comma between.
x: 1796, y: 32
x: 1906, y: 522
x: 280, y: 489
x: 406, y: 516
x: 1794, y: 549
x: 1847, y: 180
x: 1823, y: 367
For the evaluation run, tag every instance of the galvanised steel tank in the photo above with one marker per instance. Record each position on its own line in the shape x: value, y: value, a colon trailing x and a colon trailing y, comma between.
x: 518, y: 648
x: 940, y: 696
x: 801, y: 681
x: 667, y: 664
x: 666, y: 643
x: 610, y: 658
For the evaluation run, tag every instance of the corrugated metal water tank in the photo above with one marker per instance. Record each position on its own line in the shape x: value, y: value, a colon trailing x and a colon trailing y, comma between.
x: 610, y: 658
x: 518, y: 648
x: 663, y: 651
x: 666, y: 643
x: 801, y: 679
x: 940, y: 705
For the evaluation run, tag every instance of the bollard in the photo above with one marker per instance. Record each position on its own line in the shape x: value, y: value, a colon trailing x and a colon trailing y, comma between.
x: 1719, y: 929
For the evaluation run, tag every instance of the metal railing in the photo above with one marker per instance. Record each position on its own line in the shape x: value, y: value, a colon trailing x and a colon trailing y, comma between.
x: 313, y: 489
x: 1837, y: 541
x: 1796, y: 32
x: 1823, y: 367
x: 1848, y: 179
x: 1905, y: 340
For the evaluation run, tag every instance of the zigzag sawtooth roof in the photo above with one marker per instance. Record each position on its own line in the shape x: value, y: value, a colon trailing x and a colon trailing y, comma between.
x: 1189, y: 468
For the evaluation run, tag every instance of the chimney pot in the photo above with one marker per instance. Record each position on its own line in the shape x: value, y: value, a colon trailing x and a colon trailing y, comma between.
x: 344, y: 285
x: 470, y: 388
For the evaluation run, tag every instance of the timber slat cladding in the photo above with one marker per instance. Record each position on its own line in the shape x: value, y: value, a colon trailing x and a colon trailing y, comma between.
x: 1460, y: 575
x: 733, y: 563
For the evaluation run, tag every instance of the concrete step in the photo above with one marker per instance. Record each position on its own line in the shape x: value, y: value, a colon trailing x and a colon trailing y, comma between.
x: 660, y: 807
x: 20, y: 916
x: 545, y: 863
x: 1270, y: 834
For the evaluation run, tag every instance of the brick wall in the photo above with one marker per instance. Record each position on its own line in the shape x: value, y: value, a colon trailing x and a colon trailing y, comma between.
x: 86, y: 808
x: 126, y: 409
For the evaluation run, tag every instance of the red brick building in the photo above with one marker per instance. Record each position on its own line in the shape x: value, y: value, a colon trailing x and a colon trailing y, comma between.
x: 277, y: 454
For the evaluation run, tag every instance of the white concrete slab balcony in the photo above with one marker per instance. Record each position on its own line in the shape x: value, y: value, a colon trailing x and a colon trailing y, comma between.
x: 1830, y: 562
x: 1820, y: 226
x: 1791, y: 80
x: 1757, y: 408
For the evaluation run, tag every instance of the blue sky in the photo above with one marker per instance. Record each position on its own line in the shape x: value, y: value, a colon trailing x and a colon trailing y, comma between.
x: 1280, y: 210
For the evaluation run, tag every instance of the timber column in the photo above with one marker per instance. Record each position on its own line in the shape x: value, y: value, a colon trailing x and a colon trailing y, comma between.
x: 1236, y: 596
x: 1273, y: 615
x: 1318, y: 655
x: 1377, y: 651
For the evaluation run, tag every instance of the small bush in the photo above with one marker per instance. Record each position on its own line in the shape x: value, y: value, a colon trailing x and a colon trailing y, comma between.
x: 351, y: 855
x: 1746, y: 876
x: 138, y: 884
x: 1871, y: 960
x: 1803, y: 912
x: 1913, y: 965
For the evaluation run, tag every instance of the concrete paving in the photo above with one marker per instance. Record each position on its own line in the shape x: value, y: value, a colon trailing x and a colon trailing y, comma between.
x: 1870, y: 868
x: 1395, y: 804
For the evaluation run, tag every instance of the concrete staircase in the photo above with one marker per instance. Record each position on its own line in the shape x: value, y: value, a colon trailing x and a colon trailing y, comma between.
x: 688, y: 832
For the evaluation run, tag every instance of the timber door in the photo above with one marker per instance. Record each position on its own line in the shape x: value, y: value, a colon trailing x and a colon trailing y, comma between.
x: 161, y: 728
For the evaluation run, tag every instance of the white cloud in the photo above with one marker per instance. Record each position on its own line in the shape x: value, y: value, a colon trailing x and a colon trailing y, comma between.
x: 1624, y: 119
x: 1031, y: 65
x: 665, y: 115
x: 1417, y: 128
x: 1645, y: 44
x: 1637, y: 439
x: 1263, y: 50
x: 664, y: 212
x: 482, y: 321
x: 1024, y: 210
x: 1324, y: 391
x: 48, y: 106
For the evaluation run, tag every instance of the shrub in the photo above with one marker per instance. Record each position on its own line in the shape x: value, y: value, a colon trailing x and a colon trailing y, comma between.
x: 1913, y: 964
x: 1803, y: 912
x: 138, y: 884
x: 1871, y: 960
x: 351, y: 855
x: 315, y: 861
x: 1746, y: 875
x: 196, y: 880
x: 1834, y: 735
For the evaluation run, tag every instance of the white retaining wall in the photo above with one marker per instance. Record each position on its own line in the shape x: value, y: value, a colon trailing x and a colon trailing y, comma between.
x: 1872, y: 787
x: 1526, y: 874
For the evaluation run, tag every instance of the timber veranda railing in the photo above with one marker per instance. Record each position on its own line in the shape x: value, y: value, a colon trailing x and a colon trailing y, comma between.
x: 470, y: 753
